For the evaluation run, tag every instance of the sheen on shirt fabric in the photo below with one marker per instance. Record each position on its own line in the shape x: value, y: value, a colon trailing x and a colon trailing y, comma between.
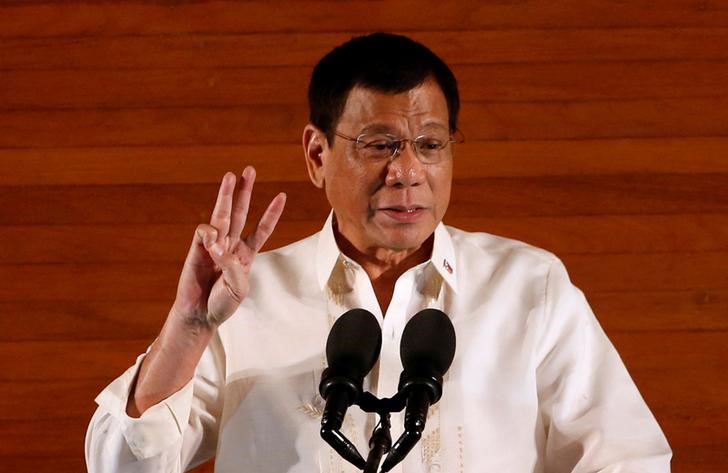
x: 535, y: 385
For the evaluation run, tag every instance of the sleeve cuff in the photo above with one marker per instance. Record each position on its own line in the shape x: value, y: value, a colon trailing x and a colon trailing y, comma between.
x: 159, y: 426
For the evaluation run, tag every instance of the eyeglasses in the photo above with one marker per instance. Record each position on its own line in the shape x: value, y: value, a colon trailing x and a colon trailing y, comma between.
x: 429, y: 149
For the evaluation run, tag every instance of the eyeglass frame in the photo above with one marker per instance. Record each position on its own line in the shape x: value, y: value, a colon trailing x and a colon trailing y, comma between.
x: 454, y: 138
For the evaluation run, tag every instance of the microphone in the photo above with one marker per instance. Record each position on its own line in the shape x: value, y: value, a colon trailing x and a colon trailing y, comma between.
x: 427, y: 350
x: 352, y: 348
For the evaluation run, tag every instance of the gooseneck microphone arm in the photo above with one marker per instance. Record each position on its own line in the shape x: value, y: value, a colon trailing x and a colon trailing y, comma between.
x: 418, y: 402
x: 340, y: 392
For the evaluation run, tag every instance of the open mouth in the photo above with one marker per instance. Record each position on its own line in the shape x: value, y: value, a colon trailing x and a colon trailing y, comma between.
x: 403, y: 213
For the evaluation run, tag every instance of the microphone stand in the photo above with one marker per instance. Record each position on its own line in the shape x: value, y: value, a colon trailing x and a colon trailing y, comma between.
x: 381, y: 439
x: 379, y: 444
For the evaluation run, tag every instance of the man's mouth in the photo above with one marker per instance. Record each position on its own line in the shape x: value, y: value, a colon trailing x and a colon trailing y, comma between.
x: 403, y: 213
x: 403, y: 208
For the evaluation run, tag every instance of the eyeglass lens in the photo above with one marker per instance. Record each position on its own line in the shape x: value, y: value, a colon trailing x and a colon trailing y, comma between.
x: 426, y: 148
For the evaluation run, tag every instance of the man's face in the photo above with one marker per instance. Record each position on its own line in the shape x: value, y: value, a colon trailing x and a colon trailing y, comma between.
x: 392, y: 204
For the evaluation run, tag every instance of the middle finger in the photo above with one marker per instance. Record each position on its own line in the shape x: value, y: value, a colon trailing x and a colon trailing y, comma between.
x: 221, y: 213
x: 242, y: 203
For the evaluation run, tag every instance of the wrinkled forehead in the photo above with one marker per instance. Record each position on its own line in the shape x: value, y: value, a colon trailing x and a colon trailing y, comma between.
x: 422, y: 107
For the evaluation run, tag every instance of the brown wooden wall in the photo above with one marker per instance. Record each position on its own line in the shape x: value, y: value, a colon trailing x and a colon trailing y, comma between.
x: 597, y: 129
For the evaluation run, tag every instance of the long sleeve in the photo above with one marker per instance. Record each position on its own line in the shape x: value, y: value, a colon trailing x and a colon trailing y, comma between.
x: 594, y: 416
x: 171, y: 436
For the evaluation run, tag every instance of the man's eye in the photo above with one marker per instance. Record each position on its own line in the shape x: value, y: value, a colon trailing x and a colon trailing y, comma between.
x: 429, y: 144
x: 378, y: 145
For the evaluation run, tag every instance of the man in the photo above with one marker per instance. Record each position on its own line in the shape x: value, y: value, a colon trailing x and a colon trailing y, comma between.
x: 535, y: 385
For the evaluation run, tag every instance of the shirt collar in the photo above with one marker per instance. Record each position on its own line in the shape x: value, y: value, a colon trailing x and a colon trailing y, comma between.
x: 327, y: 252
x: 443, y: 256
x: 442, y: 259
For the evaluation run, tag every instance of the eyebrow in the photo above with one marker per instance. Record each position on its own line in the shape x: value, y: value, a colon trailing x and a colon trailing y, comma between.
x: 377, y: 128
x: 382, y: 128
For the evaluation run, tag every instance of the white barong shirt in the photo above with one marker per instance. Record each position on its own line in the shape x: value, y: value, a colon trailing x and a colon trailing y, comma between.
x: 535, y: 385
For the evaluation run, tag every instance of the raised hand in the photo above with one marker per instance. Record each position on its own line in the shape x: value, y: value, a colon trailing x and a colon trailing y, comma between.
x: 215, y: 276
x: 213, y: 283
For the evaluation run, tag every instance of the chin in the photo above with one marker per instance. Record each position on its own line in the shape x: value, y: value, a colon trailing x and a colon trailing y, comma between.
x: 402, y: 240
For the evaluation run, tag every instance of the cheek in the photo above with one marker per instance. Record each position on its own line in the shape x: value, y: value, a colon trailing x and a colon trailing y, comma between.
x: 441, y: 185
x: 350, y: 185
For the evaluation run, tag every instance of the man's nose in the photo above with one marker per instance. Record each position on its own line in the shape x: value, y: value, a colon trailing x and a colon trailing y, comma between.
x: 405, y: 168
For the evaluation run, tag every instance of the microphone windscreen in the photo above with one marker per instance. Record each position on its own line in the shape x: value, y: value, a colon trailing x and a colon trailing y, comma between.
x: 428, y: 343
x: 354, y: 343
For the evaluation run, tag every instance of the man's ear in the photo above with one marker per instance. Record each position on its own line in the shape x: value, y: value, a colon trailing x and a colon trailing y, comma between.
x: 314, y: 145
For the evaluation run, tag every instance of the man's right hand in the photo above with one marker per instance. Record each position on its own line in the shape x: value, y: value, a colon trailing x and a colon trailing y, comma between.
x: 213, y: 283
x: 214, y: 279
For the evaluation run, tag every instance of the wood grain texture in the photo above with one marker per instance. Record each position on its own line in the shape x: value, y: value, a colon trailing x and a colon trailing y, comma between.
x: 234, y: 125
x: 563, y: 235
x: 155, y: 281
x: 505, y: 46
x: 704, y: 309
x: 28, y: 400
x: 99, y: 18
x: 704, y: 440
x: 487, y: 197
x: 595, y: 129
x: 225, y: 87
x: 284, y: 163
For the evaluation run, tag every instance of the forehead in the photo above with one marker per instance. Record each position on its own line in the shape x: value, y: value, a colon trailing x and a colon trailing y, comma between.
x: 422, y: 106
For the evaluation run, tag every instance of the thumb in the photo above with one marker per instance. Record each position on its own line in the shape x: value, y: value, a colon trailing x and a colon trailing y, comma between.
x: 202, y: 246
x: 206, y: 235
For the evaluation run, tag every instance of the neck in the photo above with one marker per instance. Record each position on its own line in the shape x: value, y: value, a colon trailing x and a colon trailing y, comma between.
x: 379, y: 262
x: 384, y: 263
x: 384, y: 266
